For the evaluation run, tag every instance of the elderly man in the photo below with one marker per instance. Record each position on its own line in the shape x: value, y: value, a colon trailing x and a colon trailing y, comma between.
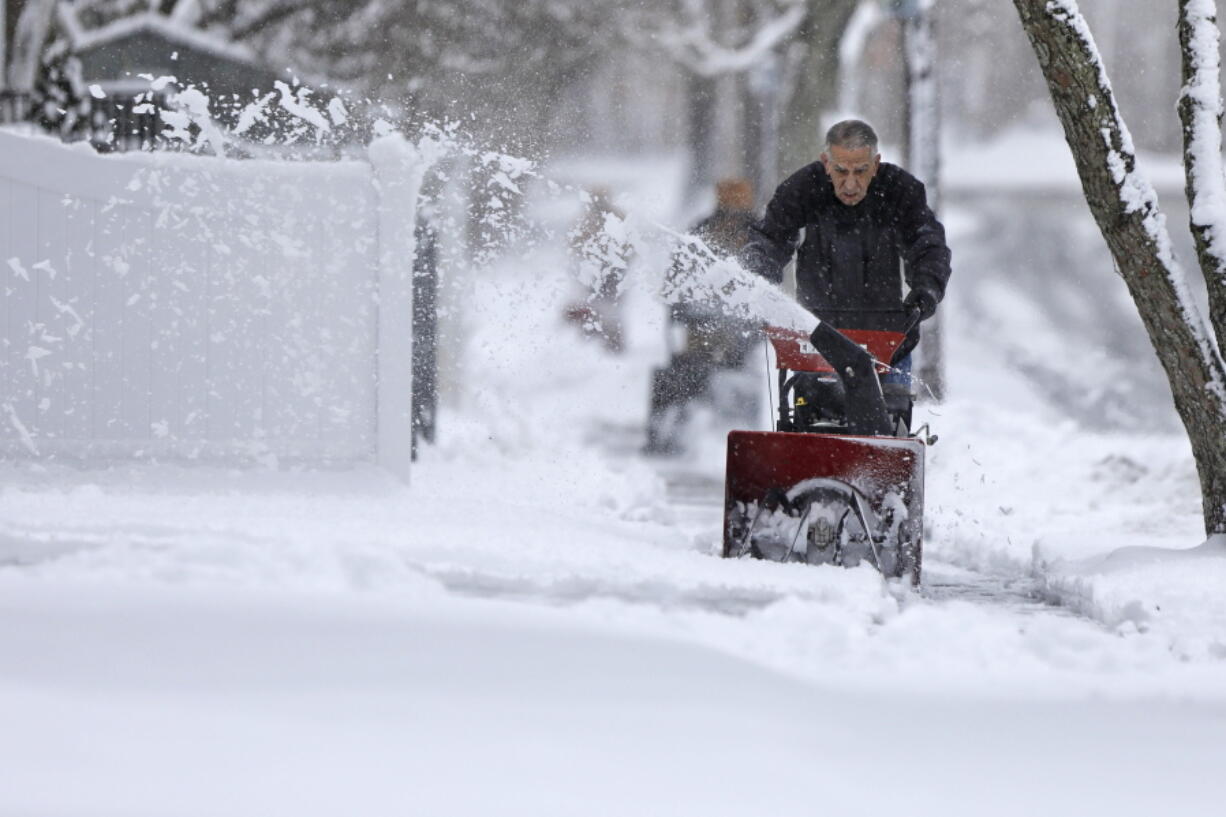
x: 860, y: 218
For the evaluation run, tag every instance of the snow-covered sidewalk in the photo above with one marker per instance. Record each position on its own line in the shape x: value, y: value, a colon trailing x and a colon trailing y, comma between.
x: 533, y: 627
x: 186, y: 641
x: 144, y: 700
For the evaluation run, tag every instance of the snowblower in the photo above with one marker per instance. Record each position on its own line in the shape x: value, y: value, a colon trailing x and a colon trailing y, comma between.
x: 840, y: 480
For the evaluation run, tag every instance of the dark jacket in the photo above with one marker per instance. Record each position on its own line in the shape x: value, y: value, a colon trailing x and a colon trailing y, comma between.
x: 847, y: 266
x: 725, y: 231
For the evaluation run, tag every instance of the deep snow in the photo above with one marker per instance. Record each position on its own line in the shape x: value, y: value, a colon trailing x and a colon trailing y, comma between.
x: 538, y: 624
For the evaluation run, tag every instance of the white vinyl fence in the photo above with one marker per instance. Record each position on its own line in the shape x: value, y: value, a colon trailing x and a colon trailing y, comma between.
x: 161, y: 305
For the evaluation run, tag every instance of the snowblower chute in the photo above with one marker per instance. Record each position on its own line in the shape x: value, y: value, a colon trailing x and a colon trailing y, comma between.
x: 841, y: 479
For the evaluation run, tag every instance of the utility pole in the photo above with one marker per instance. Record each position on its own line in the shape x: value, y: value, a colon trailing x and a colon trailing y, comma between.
x: 923, y: 146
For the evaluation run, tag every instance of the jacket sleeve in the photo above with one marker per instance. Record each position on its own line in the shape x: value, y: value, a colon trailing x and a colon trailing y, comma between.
x: 926, y: 256
x: 773, y: 239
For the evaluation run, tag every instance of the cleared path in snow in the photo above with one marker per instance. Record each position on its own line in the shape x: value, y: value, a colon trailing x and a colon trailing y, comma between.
x: 698, y: 498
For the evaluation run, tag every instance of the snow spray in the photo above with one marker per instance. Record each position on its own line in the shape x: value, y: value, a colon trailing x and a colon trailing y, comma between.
x: 294, y: 122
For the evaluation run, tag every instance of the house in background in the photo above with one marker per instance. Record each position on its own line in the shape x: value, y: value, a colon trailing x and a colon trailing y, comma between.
x: 149, y: 57
x: 117, y: 55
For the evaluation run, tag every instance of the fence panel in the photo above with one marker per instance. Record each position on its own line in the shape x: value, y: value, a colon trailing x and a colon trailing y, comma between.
x: 167, y: 305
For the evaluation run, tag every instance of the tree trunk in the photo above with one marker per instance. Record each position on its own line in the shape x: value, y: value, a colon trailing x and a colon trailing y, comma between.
x: 762, y: 93
x: 1200, y: 112
x: 923, y: 131
x: 701, y: 120
x: 754, y: 110
x: 29, y: 37
x: 801, y: 133
x: 1126, y: 210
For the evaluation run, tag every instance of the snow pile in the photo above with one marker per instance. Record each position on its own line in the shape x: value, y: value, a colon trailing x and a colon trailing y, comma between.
x: 1171, y: 595
x: 1047, y: 497
x: 1099, y: 522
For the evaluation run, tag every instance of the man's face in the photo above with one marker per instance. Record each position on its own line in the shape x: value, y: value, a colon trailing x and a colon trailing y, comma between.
x: 850, y: 171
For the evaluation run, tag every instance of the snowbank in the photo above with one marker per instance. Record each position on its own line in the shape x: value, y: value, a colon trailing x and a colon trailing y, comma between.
x: 1171, y: 595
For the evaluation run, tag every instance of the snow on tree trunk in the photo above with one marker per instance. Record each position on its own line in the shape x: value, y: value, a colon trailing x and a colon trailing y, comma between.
x: 923, y: 156
x: 762, y: 127
x: 923, y: 115
x: 701, y: 124
x: 186, y: 12
x: 1200, y: 110
x: 1126, y: 209
x: 29, y: 36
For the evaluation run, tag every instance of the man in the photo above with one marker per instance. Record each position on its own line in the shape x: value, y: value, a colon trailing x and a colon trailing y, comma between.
x: 860, y: 217
x: 712, y: 340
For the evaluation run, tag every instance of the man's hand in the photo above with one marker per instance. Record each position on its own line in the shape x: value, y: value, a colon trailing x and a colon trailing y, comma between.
x: 921, y: 300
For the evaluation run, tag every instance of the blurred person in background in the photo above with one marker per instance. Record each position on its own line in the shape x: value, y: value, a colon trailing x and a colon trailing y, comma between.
x: 710, y: 341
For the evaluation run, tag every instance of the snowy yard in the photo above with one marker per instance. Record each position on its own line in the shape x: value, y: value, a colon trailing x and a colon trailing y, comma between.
x: 227, y: 588
x: 539, y: 623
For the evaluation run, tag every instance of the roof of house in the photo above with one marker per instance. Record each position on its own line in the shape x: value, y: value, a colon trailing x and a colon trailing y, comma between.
x: 152, y: 45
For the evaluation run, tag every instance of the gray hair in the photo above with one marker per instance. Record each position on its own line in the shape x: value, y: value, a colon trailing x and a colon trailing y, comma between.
x: 851, y: 134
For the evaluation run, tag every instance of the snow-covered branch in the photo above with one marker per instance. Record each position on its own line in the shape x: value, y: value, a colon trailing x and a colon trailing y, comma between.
x: 1200, y: 110
x: 688, y: 36
x: 187, y: 12
x: 867, y: 16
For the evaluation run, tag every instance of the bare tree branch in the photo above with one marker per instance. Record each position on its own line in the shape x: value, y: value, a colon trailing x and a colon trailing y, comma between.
x: 686, y: 35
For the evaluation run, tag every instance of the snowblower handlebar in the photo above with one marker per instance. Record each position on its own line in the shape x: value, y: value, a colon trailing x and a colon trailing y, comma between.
x: 795, y: 350
x: 855, y: 366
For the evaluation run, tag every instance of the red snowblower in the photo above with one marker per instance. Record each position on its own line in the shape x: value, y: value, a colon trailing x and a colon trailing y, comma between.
x: 840, y: 480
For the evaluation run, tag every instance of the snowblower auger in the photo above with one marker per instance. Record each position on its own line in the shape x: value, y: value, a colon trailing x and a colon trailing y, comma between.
x: 841, y: 479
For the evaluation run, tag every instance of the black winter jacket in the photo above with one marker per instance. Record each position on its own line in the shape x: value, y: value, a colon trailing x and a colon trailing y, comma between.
x: 847, y: 266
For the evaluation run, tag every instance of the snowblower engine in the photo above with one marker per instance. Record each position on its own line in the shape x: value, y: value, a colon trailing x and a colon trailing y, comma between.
x: 841, y: 478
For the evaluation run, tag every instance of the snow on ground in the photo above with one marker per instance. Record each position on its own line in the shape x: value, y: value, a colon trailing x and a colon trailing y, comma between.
x: 242, y: 703
x: 1029, y: 158
x: 539, y: 624
x: 1054, y: 479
